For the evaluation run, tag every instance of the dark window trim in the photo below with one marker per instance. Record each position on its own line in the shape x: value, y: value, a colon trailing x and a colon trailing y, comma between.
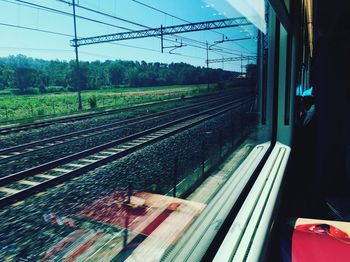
x: 281, y: 13
x: 275, y: 83
x: 287, y: 97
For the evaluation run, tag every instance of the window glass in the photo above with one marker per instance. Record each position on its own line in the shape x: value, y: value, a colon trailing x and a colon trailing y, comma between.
x: 116, y: 184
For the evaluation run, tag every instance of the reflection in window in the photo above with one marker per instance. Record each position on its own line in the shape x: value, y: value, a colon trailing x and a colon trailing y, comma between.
x: 139, y: 205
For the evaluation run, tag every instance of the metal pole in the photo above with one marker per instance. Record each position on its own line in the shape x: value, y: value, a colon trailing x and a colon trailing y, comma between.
x: 260, y: 76
x: 203, y: 157
x: 80, y: 106
x: 161, y: 38
x: 175, y: 175
x: 128, y: 201
x: 232, y: 131
x: 207, y: 65
x: 220, y: 143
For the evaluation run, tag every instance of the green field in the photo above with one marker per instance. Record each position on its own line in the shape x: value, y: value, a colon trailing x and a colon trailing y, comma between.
x: 14, y: 107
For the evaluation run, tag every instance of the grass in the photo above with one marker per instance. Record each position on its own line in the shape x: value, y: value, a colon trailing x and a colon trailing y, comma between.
x: 25, y: 107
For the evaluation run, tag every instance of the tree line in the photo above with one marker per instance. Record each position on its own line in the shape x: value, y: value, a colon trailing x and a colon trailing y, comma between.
x: 25, y: 74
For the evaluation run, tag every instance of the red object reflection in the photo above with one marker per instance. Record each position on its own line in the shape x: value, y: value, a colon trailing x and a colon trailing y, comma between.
x: 114, y: 210
x: 320, y: 242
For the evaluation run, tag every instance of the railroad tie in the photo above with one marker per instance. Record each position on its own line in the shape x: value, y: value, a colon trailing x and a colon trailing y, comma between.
x: 135, y: 143
x: 61, y: 170
x: 74, y: 165
x: 89, y: 160
x: 101, y: 157
x: 8, y: 190
x: 45, y: 176
x: 108, y: 152
x: 29, y: 183
x: 114, y: 150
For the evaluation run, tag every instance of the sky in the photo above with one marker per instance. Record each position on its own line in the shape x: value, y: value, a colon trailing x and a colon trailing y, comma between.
x: 52, y: 46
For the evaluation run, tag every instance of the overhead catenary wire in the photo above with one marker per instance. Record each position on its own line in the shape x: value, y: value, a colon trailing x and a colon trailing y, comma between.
x: 35, y: 29
x: 120, y: 18
x: 51, y: 50
x: 40, y: 7
x: 53, y: 10
x: 161, y: 11
x: 36, y: 6
x: 144, y: 26
x: 57, y: 11
x: 69, y: 35
x: 183, y: 20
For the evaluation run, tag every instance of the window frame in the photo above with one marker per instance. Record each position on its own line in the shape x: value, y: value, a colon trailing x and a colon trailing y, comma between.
x: 276, y: 107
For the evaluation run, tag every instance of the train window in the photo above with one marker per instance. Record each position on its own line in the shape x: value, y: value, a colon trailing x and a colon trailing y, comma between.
x: 116, y: 139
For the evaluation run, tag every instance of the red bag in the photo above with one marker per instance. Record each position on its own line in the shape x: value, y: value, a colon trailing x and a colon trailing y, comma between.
x: 321, y: 241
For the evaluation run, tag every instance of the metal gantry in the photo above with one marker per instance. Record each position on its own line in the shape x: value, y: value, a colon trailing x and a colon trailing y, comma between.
x: 161, y: 31
x: 232, y: 59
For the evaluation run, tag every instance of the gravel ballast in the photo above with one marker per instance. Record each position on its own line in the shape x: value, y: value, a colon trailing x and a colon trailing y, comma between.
x: 24, y: 230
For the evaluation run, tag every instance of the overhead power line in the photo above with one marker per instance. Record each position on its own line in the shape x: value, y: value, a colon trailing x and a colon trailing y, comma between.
x: 33, y: 49
x: 57, y: 11
x: 144, y: 26
x: 123, y: 19
x: 35, y: 29
x: 161, y: 11
x: 181, y: 19
x: 70, y: 36
x: 102, y: 13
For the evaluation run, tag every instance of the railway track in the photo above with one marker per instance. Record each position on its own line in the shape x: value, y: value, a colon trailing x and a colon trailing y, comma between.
x: 22, y: 184
x: 23, y: 127
x: 20, y: 151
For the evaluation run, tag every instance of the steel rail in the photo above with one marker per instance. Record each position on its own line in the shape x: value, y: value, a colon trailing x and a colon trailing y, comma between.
x: 19, y: 151
x: 64, y: 119
x: 114, y: 150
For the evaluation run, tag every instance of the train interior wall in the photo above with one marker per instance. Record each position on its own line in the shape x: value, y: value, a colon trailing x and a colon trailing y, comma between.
x: 317, y: 182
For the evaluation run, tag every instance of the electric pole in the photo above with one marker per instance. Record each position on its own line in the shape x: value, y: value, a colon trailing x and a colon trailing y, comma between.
x: 207, y: 61
x: 80, y: 106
